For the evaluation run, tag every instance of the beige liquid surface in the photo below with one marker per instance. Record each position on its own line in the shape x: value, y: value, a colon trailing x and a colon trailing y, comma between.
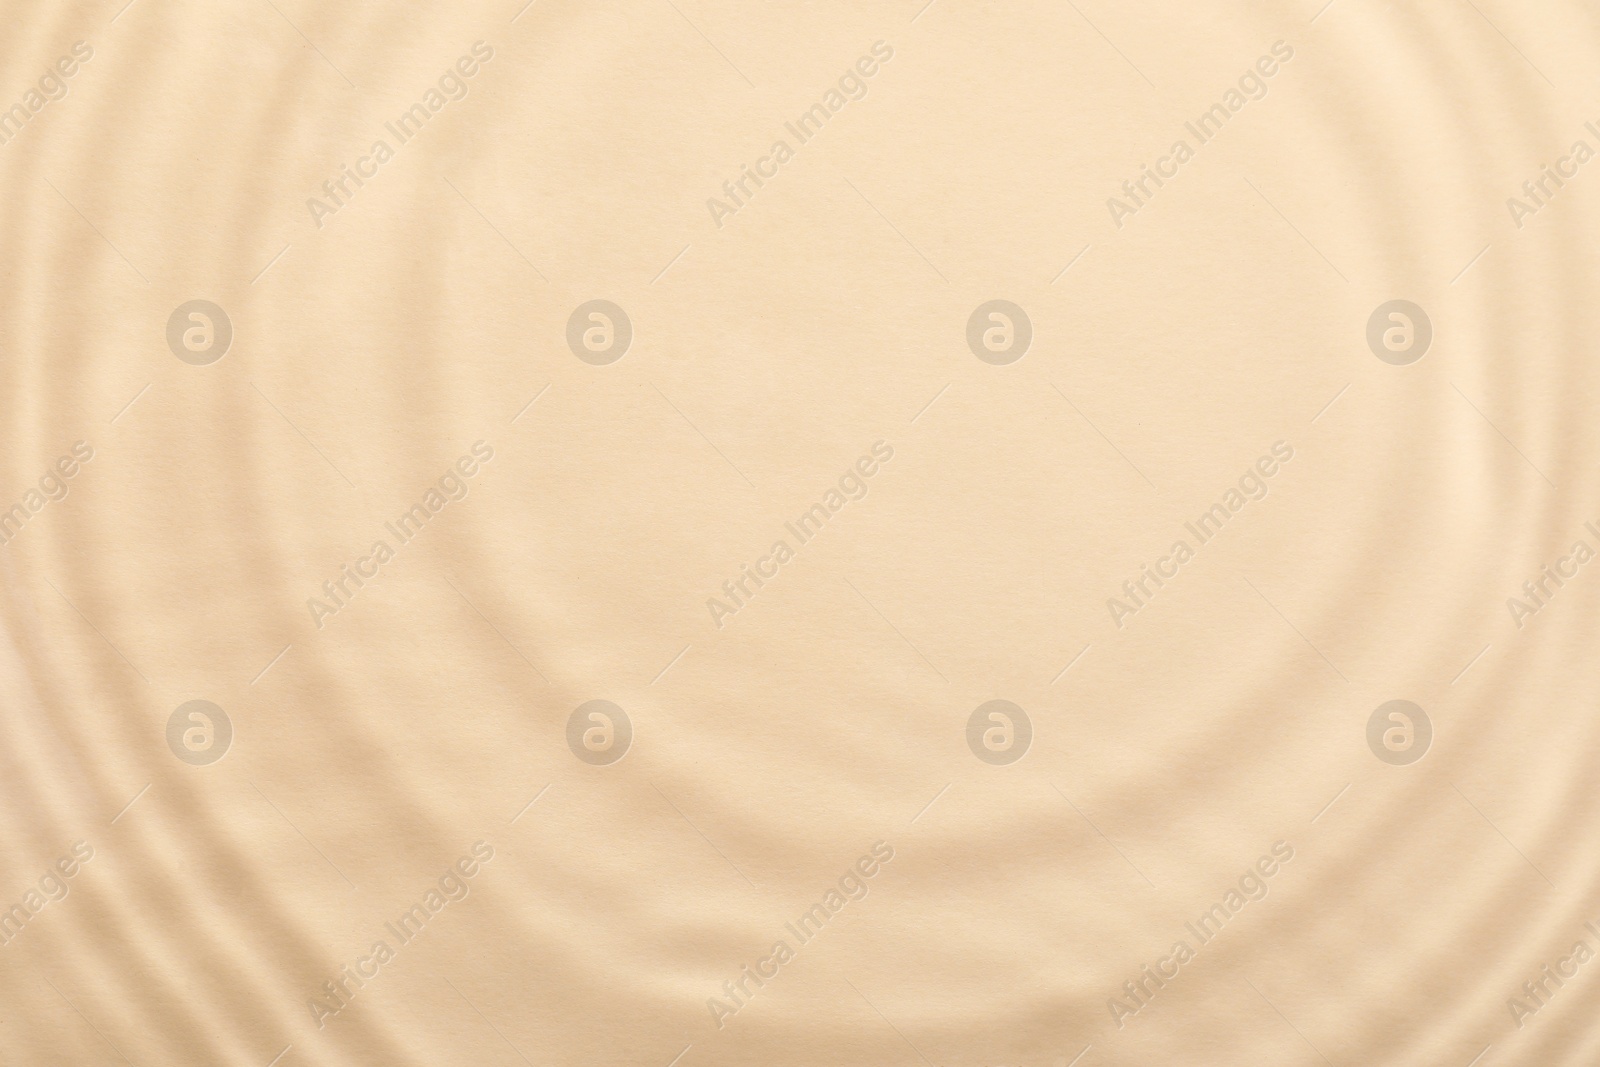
x: 397, y: 501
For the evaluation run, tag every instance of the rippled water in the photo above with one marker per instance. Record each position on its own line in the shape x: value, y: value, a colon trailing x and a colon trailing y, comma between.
x: 504, y: 564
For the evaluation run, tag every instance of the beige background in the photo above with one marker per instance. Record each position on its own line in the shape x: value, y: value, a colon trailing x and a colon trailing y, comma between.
x: 768, y: 354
